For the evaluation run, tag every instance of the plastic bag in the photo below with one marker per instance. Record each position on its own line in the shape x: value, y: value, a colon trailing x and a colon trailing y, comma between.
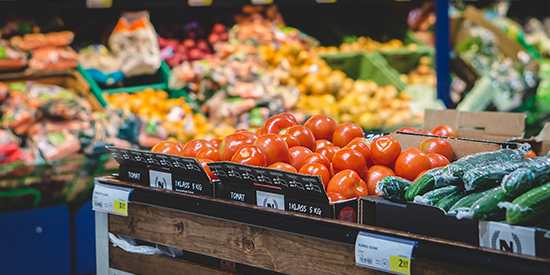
x: 129, y: 245
x: 101, y: 64
x: 53, y: 58
x: 134, y: 43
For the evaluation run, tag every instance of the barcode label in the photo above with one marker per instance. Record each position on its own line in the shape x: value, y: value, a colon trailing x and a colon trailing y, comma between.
x: 98, y: 204
x: 111, y: 199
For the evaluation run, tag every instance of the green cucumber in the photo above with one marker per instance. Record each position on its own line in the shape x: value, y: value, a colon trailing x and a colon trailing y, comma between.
x: 453, y: 172
x: 447, y: 202
x: 531, y: 175
x: 393, y: 188
x: 428, y: 181
x: 529, y: 207
x: 491, y: 175
x: 466, y: 202
x: 434, y: 196
x: 487, y: 207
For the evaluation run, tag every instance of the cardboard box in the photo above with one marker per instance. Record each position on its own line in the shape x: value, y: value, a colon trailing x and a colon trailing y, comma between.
x: 279, y: 189
x: 163, y: 171
x: 492, y: 126
x: 541, y: 143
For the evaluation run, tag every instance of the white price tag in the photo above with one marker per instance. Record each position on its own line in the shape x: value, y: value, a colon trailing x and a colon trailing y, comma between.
x: 270, y: 200
x: 195, y: 3
x: 261, y: 2
x: 502, y: 236
x: 111, y: 199
x: 384, y: 253
x: 92, y: 4
x: 325, y: 1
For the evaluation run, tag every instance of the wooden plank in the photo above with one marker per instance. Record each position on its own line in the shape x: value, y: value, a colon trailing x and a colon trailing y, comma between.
x: 258, y: 247
x: 155, y: 264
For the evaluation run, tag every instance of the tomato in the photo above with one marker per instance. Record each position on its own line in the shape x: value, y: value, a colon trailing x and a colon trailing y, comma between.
x: 248, y: 133
x: 328, y: 151
x: 408, y: 129
x: 445, y: 131
x: 291, y: 141
x: 322, y: 143
x: 258, y: 131
x: 348, y: 184
x: 192, y: 147
x: 250, y: 155
x: 437, y: 145
x: 274, y: 148
x: 231, y: 143
x: 385, y: 150
x: 304, y: 135
x: 363, y: 139
x: 316, y: 158
x: 207, y: 169
x: 421, y: 173
x: 277, y: 124
x: 289, y: 116
x: 426, y: 133
x: 411, y: 162
x: 362, y: 148
x: 345, y: 132
x: 376, y: 173
x: 216, y: 142
x: 334, y: 197
x: 316, y: 169
x: 438, y: 160
x: 530, y: 154
x: 321, y: 126
x: 283, y: 166
x: 297, y: 155
x: 208, y: 153
x: 349, y: 159
x: 171, y: 147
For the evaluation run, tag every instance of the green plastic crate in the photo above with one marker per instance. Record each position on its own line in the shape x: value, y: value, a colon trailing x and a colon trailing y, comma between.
x: 405, y: 60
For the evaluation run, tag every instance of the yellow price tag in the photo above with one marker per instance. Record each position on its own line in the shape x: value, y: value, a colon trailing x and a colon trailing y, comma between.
x: 400, y: 265
x: 120, y: 207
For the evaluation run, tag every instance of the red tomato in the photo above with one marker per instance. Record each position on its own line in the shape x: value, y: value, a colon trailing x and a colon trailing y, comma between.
x: 363, y: 139
x: 316, y: 169
x: 346, y: 132
x: 216, y: 142
x: 274, y: 148
x: 277, y: 124
x: 248, y: 133
x: 321, y: 126
x: 231, y: 143
x: 192, y: 147
x: 283, y: 166
x: 328, y: 151
x: 208, y: 153
x: 207, y: 169
x: 348, y: 184
x: 530, y: 154
x: 258, y: 131
x: 291, y: 141
x: 421, y: 173
x: 437, y: 145
x: 426, y: 133
x: 349, y: 159
x: 171, y: 147
x: 322, y: 143
x: 385, y: 150
x: 334, y: 197
x: 445, y: 131
x: 411, y: 162
x: 304, y: 135
x: 297, y: 155
x: 376, y: 173
x: 408, y: 129
x: 363, y: 149
x: 316, y: 158
x: 438, y: 160
x: 289, y: 116
x: 250, y: 155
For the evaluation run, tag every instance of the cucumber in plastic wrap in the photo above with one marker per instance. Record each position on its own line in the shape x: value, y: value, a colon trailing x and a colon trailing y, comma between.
x: 466, y: 202
x: 523, y: 179
x: 447, y: 202
x: 487, y: 207
x: 434, y: 196
x: 531, y: 207
x: 393, y: 188
x: 428, y: 181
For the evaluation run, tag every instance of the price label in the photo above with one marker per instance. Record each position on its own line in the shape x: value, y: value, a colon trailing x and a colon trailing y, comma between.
x: 505, y: 237
x: 384, y: 253
x: 111, y: 199
x: 94, y: 4
x: 195, y: 3
x: 325, y: 1
x: 261, y: 2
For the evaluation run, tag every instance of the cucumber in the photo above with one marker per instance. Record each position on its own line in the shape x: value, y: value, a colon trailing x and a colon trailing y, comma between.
x: 491, y: 175
x: 424, y: 183
x: 393, y: 188
x: 466, y: 202
x: 529, y: 207
x: 434, y: 196
x: 523, y: 179
x: 447, y: 202
x: 487, y: 207
x: 458, y: 168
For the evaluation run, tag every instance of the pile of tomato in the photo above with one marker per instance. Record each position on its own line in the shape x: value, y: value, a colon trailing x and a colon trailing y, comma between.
x: 348, y: 164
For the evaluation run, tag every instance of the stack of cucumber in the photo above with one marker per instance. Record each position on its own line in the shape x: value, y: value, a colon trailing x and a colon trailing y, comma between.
x: 500, y: 185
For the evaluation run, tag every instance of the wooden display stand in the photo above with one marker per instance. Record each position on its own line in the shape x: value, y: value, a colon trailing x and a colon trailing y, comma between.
x: 268, y: 241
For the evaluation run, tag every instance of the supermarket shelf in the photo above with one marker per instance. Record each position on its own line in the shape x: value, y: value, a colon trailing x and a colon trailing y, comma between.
x: 450, y: 255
